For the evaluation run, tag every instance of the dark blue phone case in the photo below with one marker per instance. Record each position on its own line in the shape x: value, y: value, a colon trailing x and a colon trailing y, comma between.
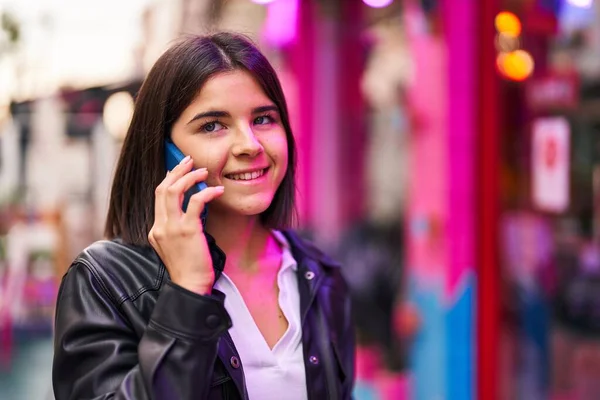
x: 173, y: 157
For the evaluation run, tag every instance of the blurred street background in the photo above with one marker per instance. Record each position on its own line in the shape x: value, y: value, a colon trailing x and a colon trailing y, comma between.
x: 449, y: 156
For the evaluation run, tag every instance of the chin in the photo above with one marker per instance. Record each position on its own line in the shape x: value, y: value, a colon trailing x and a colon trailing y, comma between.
x: 247, y: 207
x: 256, y: 208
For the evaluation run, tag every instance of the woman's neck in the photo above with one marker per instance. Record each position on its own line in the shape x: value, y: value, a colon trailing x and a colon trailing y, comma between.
x: 245, y: 241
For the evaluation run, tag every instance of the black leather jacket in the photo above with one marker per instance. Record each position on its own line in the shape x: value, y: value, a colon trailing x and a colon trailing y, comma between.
x: 124, y: 331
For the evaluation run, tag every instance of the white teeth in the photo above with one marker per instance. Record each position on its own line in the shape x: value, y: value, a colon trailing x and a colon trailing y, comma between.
x: 247, y: 176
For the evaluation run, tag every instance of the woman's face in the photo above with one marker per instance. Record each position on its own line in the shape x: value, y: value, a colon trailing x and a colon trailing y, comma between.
x: 234, y: 130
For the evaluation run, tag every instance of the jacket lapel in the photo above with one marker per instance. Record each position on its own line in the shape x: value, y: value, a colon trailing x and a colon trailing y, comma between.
x: 310, y: 279
x: 311, y: 270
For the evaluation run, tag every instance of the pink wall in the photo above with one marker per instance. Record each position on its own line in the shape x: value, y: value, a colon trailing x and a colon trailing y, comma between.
x: 427, y: 204
x: 460, y: 32
x: 327, y: 60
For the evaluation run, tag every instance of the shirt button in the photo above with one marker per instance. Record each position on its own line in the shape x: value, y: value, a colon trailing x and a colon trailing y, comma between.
x: 313, y: 360
x: 212, y: 321
x: 235, y: 362
x: 309, y: 275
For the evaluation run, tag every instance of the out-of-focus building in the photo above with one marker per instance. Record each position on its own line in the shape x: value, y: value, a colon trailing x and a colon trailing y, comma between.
x: 475, y: 132
x: 546, y: 300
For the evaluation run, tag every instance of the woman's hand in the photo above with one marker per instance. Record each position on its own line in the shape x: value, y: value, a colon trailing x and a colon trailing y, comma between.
x: 178, y: 237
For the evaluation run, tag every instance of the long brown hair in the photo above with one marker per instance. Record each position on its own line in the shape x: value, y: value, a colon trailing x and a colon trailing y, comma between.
x: 171, y: 85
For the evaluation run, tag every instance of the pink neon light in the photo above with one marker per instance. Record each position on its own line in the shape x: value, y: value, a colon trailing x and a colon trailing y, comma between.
x: 280, y: 26
x: 378, y: 3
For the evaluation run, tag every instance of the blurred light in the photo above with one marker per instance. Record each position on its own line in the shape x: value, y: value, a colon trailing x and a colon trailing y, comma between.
x: 508, y: 24
x: 581, y: 3
x: 516, y: 65
x: 262, y: 1
x: 280, y: 27
x: 378, y: 3
x: 506, y: 43
x: 117, y: 114
x: 575, y: 16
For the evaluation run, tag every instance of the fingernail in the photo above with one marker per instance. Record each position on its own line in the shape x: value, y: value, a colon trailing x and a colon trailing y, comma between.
x: 220, y: 188
x: 202, y: 169
x: 185, y: 160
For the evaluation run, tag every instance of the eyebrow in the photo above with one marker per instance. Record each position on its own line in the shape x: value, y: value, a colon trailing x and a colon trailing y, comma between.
x: 222, y: 114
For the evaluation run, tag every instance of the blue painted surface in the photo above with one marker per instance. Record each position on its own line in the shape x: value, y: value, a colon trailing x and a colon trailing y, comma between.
x: 428, y: 356
x: 460, y: 332
x: 363, y: 391
x: 443, y: 354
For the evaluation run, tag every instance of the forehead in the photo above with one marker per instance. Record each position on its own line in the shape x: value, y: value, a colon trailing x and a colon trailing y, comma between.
x: 231, y: 88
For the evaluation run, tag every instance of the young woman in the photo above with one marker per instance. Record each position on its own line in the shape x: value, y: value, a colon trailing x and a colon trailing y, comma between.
x: 240, y: 308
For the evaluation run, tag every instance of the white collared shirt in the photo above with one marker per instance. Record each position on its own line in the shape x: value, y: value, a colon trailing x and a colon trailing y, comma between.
x: 278, y: 373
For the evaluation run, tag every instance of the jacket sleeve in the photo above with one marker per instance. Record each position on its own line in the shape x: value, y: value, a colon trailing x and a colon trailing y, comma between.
x: 97, y: 355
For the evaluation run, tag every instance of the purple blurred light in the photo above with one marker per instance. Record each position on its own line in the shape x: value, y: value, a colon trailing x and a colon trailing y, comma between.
x: 378, y: 3
x: 581, y: 3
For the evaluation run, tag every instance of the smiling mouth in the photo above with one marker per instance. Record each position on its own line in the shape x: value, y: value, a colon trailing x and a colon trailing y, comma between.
x: 247, y: 176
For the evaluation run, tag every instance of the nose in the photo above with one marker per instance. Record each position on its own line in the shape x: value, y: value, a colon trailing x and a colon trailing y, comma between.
x: 246, y: 143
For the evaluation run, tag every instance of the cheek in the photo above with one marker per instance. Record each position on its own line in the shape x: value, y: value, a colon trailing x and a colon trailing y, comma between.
x: 215, y: 167
x: 214, y: 159
x: 282, y: 162
x: 278, y: 151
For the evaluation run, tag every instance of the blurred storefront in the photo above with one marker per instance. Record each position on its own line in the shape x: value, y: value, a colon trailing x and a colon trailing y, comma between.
x: 548, y: 232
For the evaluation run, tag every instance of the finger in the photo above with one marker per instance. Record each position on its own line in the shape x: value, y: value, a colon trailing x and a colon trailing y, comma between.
x: 199, y: 201
x: 160, y: 211
x: 180, y: 169
x: 176, y: 190
x: 160, y: 202
x: 151, y: 238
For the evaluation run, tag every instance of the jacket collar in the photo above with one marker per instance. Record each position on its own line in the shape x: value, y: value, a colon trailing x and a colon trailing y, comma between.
x: 217, y: 255
x: 304, y: 251
x: 313, y: 267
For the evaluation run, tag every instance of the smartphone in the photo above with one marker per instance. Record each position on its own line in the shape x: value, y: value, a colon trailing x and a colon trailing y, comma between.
x: 173, y: 157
